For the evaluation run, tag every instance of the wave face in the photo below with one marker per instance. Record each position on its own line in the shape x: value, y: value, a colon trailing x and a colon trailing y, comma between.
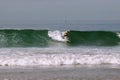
x: 23, y: 38
x: 99, y: 38
x: 41, y: 38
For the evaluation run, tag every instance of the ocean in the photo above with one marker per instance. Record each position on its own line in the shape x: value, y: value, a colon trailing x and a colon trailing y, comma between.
x: 42, y: 45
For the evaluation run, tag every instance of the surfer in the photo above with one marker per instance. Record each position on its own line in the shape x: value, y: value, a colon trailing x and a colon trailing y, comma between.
x: 65, y: 35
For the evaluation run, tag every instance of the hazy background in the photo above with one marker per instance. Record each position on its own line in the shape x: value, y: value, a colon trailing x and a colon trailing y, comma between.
x: 40, y: 11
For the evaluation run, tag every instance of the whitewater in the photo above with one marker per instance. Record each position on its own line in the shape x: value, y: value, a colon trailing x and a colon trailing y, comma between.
x: 59, y: 56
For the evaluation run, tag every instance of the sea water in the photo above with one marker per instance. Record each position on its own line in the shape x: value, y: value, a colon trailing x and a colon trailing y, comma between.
x: 86, y: 44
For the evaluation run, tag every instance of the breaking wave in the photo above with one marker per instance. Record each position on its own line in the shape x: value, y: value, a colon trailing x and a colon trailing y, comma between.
x: 43, y: 38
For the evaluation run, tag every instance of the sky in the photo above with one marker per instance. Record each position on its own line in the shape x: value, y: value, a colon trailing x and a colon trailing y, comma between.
x: 28, y: 11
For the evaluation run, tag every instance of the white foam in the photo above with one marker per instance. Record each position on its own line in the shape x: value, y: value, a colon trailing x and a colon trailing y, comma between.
x: 36, y: 57
x: 58, y: 59
x: 57, y: 35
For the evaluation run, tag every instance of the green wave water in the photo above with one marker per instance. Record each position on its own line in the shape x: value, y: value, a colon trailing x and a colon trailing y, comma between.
x: 23, y: 38
x: 40, y: 38
x: 99, y: 38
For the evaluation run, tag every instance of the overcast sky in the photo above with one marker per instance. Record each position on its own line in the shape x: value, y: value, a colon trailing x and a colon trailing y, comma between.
x: 12, y: 11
